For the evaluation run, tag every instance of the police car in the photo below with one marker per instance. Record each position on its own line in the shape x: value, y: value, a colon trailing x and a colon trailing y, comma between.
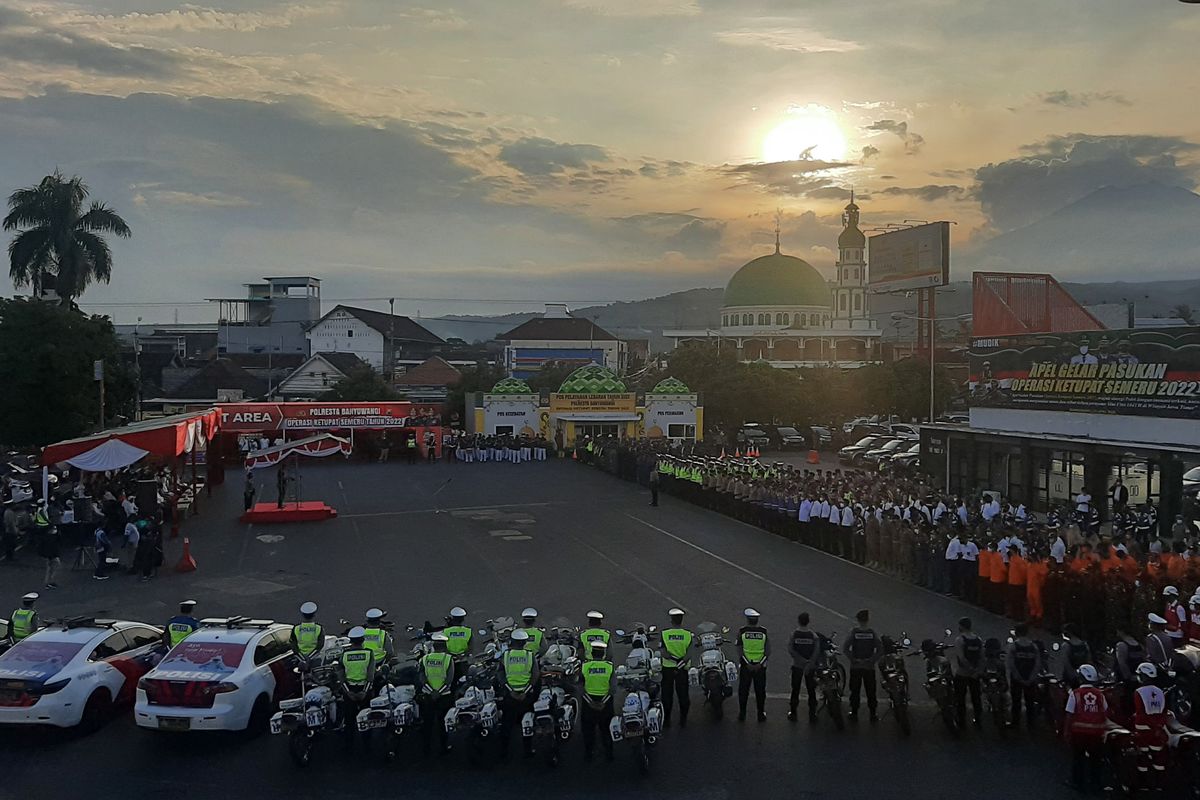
x: 75, y: 672
x: 229, y: 675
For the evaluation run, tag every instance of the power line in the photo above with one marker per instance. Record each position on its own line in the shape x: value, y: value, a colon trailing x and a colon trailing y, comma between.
x: 153, y: 303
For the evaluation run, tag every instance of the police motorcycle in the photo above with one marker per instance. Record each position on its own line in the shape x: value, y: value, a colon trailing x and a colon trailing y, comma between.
x: 831, y: 680
x: 939, y: 680
x: 715, y: 674
x: 894, y: 678
x: 316, y: 712
x: 396, y: 708
x: 639, y: 717
x: 552, y: 720
x: 994, y: 683
x: 476, y: 711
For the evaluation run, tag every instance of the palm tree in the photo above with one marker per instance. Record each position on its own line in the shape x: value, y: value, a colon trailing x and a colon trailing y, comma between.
x: 59, y: 244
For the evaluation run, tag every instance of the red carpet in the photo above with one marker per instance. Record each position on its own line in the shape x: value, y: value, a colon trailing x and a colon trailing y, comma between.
x: 291, y: 512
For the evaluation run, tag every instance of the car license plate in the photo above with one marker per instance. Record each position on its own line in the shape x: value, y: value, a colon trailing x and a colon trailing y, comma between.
x: 174, y: 724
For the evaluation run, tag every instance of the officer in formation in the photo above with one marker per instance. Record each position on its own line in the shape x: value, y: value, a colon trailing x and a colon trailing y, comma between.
x: 1024, y: 662
x: 308, y: 637
x: 23, y: 620
x: 595, y: 631
x: 521, y: 684
x: 529, y: 625
x: 182, y: 625
x: 358, y: 673
x: 597, y: 707
x: 753, y: 650
x: 676, y: 661
x: 805, y: 648
x: 377, y: 638
x: 968, y: 666
x: 863, y: 649
x: 458, y: 634
x: 438, y: 672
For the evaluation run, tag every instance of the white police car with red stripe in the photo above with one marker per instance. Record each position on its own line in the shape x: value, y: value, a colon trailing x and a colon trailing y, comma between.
x: 229, y: 675
x: 76, y: 671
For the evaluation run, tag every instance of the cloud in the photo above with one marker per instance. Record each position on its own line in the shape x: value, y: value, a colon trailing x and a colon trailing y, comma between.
x: 929, y: 193
x: 697, y: 238
x: 1062, y: 169
x: 191, y: 19
x: 153, y: 194
x: 637, y: 8
x: 786, y: 177
x: 1066, y: 99
x: 834, y: 193
x: 869, y: 152
x: 23, y: 39
x: 912, y: 141
x: 536, y: 156
x: 785, y: 37
x: 436, y: 19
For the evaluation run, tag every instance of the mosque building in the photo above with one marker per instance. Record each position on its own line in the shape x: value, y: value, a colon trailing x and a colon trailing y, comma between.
x: 779, y: 309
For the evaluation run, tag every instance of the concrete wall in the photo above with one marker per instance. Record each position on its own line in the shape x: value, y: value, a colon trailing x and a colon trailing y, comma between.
x: 345, y: 333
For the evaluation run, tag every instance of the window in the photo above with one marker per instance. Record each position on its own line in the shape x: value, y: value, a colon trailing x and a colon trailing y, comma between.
x: 858, y: 302
x: 681, y: 432
x: 856, y: 273
x: 109, y: 647
x: 140, y: 637
x: 504, y: 430
x: 747, y: 319
x: 787, y: 319
x: 349, y: 333
x: 814, y: 320
x: 269, y: 648
x: 842, y: 302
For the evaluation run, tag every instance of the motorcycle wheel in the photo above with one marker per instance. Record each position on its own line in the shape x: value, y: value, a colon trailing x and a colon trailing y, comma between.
x: 718, y: 706
x: 300, y: 746
x: 835, y: 712
x: 475, y: 749
x: 900, y: 711
x: 643, y: 756
x: 950, y: 720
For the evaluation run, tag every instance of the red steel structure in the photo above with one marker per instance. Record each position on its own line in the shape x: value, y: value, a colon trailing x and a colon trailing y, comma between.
x: 1015, y: 303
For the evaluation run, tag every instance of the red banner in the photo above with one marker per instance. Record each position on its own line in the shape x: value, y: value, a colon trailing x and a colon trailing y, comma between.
x: 263, y: 417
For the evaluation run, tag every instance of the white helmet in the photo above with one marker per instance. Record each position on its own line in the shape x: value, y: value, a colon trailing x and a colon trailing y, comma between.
x: 308, y: 608
x: 1195, y: 601
x: 1088, y: 674
x: 529, y: 613
x: 374, y: 614
x: 357, y: 632
x: 519, y: 636
x: 458, y: 611
x: 675, y: 612
x: 1155, y: 619
x: 751, y: 613
x: 595, y: 616
x: 1147, y: 671
x: 1170, y: 591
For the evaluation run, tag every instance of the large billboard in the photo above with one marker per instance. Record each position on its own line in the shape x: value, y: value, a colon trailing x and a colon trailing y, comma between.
x: 910, y: 258
x: 251, y: 417
x: 1144, y: 371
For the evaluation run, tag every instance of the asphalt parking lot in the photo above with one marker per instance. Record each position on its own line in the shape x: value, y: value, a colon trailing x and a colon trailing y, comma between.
x: 495, y: 538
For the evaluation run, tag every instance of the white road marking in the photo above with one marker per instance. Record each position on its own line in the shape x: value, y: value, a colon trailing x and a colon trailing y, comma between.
x: 505, y: 532
x: 452, y: 511
x: 740, y: 568
x: 269, y: 538
x: 517, y: 538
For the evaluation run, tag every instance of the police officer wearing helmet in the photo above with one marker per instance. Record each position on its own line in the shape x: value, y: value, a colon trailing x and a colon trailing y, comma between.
x: 863, y: 649
x: 1086, y: 722
x: 520, y: 682
x: 597, y: 710
x: 377, y: 637
x: 676, y: 645
x: 595, y: 632
x: 358, y: 676
x: 437, y: 689
x: 308, y: 637
x: 458, y: 634
x: 24, y: 620
x: 182, y: 625
x: 529, y: 625
x: 753, y: 650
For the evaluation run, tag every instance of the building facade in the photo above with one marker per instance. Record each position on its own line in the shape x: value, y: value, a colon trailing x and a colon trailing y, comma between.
x: 378, y: 338
x: 558, y: 338
x: 272, y: 317
x: 779, y: 309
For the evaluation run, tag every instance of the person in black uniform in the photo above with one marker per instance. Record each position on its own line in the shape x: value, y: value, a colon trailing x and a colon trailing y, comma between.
x: 805, y: 647
x: 754, y: 647
x: 863, y: 649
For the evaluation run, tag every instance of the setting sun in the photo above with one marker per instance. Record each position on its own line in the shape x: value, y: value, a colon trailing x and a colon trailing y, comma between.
x: 806, y: 137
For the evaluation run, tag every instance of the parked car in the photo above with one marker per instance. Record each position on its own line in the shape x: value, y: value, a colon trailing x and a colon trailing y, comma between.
x: 76, y: 672
x: 849, y: 453
x: 886, y: 449
x: 751, y: 434
x: 1191, y: 482
x: 906, y: 458
x: 228, y: 675
x: 786, y: 437
x: 905, y: 430
x: 822, y: 437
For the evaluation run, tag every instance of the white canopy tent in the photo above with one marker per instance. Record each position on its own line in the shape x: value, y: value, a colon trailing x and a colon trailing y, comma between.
x: 112, y: 454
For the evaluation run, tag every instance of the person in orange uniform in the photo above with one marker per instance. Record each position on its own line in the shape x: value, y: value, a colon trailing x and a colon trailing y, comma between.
x: 1018, y: 571
x: 1177, y: 565
x: 985, y: 577
x: 1111, y: 562
x: 999, y: 575
x: 1035, y: 577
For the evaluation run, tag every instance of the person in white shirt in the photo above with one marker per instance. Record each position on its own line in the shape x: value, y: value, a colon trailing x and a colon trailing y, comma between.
x: 129, y: 506
x: 846, y: 534
x: 1058, y: 548
x: 954, y: 562
x: 804, y: 514
x: 1002, y: 547
x: 132, y: 537
x: 1083, y: 502
x: 68, y: 514
x: 938, y: 511
x: 961, y: 511
x: 1022, y: 514
x: 988, y: 510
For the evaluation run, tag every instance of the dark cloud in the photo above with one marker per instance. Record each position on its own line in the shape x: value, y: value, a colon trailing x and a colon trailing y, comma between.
x: 679, y: 231
x: 25, y: 39
x: 1066, y: 99
x: 928, y: 193
x: 697, y: 238
x: 835, y: 193
x: 898, y: 128
x: 1062, y: 169
x: 786, y: 177
x: 869, y: 152
x: 536, y: 156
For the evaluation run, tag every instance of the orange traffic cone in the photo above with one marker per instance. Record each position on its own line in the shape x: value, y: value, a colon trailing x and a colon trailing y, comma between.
x: 722, y: 454
x: 186, y: 562
x: 814, y: 457
x: 737, y: 453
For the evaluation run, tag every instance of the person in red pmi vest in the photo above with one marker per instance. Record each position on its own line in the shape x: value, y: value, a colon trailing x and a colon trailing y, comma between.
x: 1150, y: 718
x: 1087, y: 719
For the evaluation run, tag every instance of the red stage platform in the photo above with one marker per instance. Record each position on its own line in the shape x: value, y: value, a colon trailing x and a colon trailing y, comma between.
x: 291, y: 512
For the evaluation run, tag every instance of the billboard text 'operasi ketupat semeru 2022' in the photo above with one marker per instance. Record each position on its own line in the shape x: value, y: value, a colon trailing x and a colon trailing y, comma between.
x: 1147, y: 372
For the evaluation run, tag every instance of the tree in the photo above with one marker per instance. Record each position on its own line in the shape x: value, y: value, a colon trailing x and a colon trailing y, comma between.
x: 1184, y: 312
x: 480, y: 378
x: 361, y: 384
x: 58, y: 242
x: 46, y: 357
x: 551, y: 376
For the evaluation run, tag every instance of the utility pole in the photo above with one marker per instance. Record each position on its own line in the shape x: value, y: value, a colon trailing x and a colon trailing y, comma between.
x: 98, y: 376
x: 391, y: 354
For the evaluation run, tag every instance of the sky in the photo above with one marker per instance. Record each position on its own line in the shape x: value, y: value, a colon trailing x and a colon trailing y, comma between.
x: 480, y: 156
